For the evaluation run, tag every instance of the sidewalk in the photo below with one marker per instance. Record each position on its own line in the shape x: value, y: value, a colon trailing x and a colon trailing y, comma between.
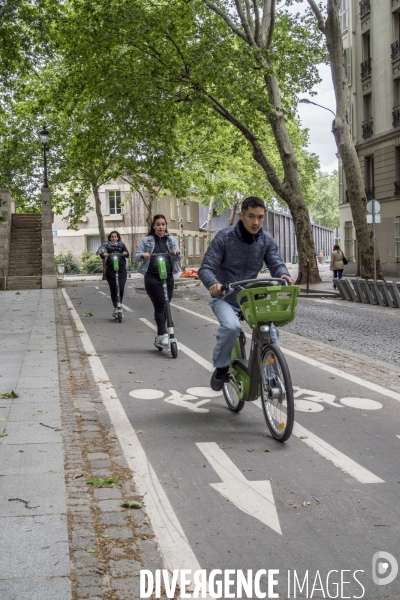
x: 61, y: 538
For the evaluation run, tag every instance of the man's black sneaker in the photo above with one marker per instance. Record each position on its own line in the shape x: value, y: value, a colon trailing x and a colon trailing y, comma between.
x: 219, y: 377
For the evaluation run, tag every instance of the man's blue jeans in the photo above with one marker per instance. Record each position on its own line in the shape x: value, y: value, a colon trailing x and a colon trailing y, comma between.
x: 228, y: 331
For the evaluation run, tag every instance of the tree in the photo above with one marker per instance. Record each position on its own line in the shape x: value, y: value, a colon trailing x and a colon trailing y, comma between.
x: 325, y: 210
x: 330, y: 27
x: 246, y: 69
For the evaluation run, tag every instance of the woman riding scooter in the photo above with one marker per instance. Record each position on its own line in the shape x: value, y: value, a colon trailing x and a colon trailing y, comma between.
x: 115, y: 245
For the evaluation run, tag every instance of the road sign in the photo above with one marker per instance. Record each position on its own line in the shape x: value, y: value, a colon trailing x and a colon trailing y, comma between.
x: 255, y: 498
x: 370, y: 218
x: 373, y: 206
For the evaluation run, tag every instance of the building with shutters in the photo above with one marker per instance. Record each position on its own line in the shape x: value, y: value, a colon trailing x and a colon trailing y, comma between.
x: 371, y: 39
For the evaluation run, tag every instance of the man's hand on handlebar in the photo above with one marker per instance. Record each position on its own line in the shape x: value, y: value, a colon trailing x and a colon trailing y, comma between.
x: 290, y: 280
x: 216, y: 289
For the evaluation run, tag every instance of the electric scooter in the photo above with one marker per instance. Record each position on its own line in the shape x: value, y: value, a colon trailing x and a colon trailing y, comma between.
x: 115, y: 262
x: 162, y: 272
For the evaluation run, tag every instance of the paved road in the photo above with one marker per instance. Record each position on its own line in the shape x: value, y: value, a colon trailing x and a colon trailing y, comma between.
x: 335, y: 492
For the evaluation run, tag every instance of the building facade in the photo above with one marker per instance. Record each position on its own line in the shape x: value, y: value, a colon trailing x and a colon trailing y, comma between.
x: 125, y: 211
x: 371, y: 39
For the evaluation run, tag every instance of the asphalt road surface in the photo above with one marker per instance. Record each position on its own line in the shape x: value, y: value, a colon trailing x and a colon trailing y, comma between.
x: 329, y: 500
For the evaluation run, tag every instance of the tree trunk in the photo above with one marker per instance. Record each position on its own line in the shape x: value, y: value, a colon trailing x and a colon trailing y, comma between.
x: 181, y: 235
x: 232, y: 215
x: 344, y: 141
x: 209, y: 221
x: 100, y: 220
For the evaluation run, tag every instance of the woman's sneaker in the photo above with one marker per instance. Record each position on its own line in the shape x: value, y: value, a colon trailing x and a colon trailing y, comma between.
x: 115, y: 313
x: 161, y: 341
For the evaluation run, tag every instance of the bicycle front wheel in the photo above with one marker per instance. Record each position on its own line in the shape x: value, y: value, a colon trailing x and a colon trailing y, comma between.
x: 277, y: 393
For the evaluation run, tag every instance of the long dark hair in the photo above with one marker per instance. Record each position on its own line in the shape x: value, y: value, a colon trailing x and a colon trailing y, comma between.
x: 155, y: 218
x: 336, y: 247
x: 110, y: 234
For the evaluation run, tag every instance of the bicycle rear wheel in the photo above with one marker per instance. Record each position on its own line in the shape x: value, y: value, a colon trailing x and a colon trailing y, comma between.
x: 232, y: 398
x: 277, y: 393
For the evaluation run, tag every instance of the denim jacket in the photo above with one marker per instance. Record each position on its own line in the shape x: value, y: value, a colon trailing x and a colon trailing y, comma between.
x: 147, y: 245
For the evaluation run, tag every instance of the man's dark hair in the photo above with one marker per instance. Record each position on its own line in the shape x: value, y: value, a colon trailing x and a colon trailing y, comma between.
x: 252, y: 202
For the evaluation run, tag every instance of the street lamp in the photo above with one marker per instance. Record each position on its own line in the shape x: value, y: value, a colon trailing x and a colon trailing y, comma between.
x: 44, y: 136
x: 307, y: 101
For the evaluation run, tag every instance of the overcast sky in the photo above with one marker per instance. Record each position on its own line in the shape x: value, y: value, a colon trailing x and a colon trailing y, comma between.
x: 319, y: 121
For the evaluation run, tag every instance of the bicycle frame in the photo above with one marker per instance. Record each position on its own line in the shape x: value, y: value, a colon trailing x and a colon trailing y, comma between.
x: 247, y: 370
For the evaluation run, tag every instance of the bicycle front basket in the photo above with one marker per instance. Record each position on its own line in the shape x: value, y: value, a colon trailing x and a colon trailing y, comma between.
x: 276, y: 304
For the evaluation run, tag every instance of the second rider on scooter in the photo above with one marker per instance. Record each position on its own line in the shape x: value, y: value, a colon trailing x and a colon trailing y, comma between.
x: 158, y: 241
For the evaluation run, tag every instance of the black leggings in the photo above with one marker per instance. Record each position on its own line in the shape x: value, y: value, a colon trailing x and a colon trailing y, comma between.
x: 110, y: 276
x: 154, y: 289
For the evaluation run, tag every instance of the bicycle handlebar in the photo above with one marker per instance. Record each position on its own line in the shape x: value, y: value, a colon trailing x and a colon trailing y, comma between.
x: 231, y: 287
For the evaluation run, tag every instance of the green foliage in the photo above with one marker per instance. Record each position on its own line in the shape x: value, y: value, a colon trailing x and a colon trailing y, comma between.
x: 66, y: 258
x: 325, y: 208
x: 91, y: 263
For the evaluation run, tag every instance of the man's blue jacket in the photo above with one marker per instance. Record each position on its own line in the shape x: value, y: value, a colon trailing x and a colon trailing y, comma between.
x: 230, y: 258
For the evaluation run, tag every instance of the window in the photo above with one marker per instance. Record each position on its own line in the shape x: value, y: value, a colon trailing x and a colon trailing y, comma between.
x: 367, y: 107
x: 190, y: 245
x: 188, y: 214
x: 347, y: 64
x: 348, y: 240
x: 93, y: 243
x: 343, y: 16
x: 114, y: 202
x: 197, y: 245
x: 173, y: 209
x: 397, y: 238
x: 366, y: 46
x: 369, y: 172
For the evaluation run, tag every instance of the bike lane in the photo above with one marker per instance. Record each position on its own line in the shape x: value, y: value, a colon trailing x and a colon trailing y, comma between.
x: 308, y: 515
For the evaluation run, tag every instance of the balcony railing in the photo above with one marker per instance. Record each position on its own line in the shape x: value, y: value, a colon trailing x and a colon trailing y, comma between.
x: 396, y: 50
x: 368, y: 128
x: 396, y: 116
x: 370, y: 193
x: 365, y: 7
x: 397, y: 188
x: 366, y: 68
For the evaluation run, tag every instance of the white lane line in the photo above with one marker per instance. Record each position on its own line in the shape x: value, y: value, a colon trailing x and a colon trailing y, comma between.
x: 97, y: 288
x: 123, y: 305
x: 255, y: 498
x: 196, y: 357
x: 173, y: 543
x: 315, y: 363
x: 323, y: 448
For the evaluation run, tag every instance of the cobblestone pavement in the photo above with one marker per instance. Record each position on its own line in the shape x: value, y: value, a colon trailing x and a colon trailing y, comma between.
x: 361, y: 341
x: 109, y: 544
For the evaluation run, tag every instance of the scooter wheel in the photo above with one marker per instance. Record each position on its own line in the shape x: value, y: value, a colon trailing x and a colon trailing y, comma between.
x: 119, y: 317
x: 174, y: 349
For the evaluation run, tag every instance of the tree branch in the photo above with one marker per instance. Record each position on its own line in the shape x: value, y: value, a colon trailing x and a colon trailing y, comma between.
x: 267, y: 23
x: 320, y: 19
x: 249, y: 17
x: 227, y: 20
x: 256, y: 20
x: 245, y: 24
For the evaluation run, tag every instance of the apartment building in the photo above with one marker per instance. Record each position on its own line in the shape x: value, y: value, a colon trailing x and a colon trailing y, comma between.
x: 371, y: 39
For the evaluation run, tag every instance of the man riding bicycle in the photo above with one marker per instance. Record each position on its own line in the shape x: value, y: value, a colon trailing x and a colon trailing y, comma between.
x: 237, y: 253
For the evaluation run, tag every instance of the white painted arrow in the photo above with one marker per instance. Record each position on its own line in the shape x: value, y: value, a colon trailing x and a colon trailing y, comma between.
x: 255, y: 498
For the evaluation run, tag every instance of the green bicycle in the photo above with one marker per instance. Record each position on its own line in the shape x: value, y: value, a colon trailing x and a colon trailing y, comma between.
x: 265, y: 373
